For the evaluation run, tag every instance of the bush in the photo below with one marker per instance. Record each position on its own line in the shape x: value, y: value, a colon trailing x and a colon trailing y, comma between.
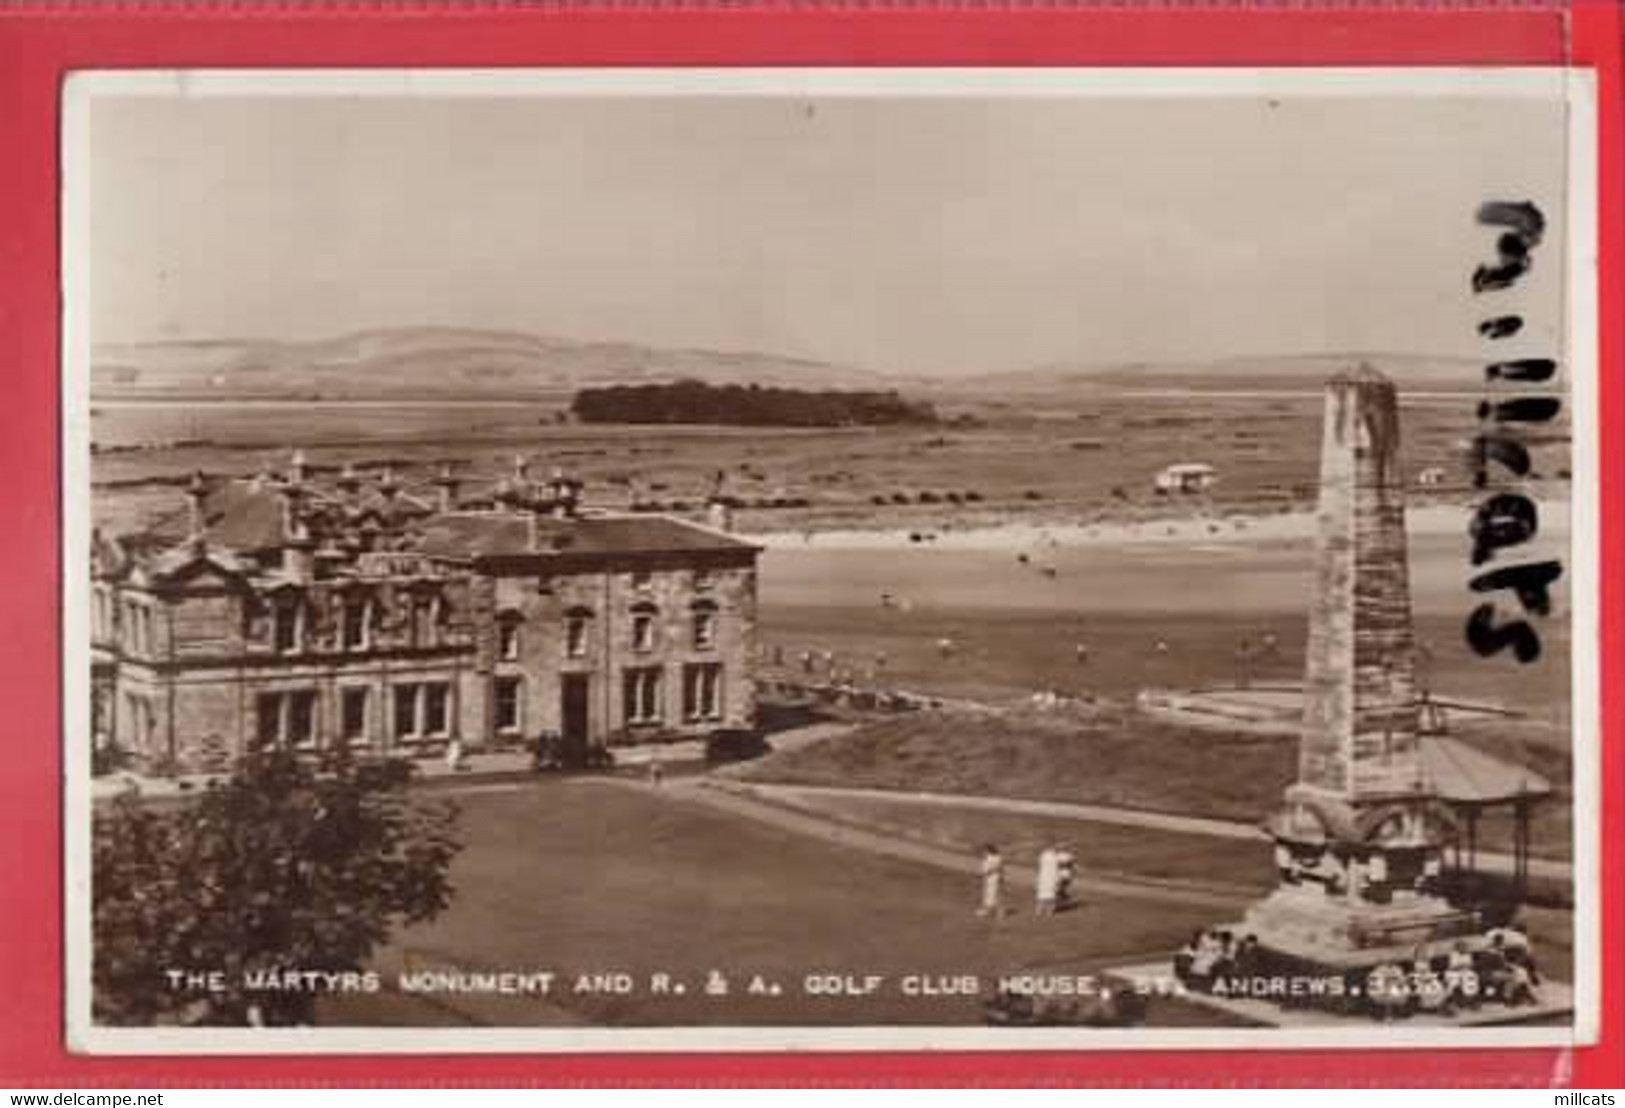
x: 551, y: 753
x: 735, y: 745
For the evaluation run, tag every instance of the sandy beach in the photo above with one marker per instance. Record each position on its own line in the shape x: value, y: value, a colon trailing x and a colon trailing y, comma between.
x: 1429, y: 521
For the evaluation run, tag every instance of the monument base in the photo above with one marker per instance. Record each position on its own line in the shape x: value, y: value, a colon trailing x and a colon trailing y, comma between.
x: 1303, y: 923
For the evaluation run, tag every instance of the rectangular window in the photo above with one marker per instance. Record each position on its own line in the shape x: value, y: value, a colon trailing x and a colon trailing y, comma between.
x: 286, y: 628
x: 641, y: 695
x: 301, y: 723
x: 253, y: 621
x: 356, y: 624
x: 702, y: 692
x: 406, y: 711
x: 507, y: 704
x: 508, y: 639
x: 436, y: 709
x: 268, y: 720
x: 424, y: 616
x: 353, y: 714
x: 285, y: 719
x: 140, y: 721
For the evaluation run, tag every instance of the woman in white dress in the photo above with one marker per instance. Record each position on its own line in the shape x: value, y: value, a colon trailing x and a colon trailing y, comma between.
x: 1049, y: 879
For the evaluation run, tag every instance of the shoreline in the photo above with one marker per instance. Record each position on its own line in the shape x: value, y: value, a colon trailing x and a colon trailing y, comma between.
x: 1427, y: 521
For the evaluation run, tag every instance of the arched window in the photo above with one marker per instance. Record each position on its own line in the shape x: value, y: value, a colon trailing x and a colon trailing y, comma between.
x: 703, y: 624
x: 508, y: 624
x: 577, y: 632
x: 645, y: 619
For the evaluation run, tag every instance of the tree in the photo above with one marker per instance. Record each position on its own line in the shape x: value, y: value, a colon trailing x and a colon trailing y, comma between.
x: 289, y: 865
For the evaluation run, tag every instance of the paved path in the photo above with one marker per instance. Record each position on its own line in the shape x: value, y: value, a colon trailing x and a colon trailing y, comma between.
x: 739, y: 802
x: 479, y: 768
x: 808, y: 796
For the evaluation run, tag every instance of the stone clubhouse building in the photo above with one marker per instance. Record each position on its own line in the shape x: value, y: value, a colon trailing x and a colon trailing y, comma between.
x: 287, y: 610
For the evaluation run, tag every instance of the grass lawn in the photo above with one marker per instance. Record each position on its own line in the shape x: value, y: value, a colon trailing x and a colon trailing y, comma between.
x: 1136, y: 851
x: 581, y: 877
x: 1110, y: 757
x: 1102, y: 848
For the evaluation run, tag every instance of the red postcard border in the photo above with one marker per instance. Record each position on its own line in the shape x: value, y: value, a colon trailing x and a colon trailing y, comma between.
x: 40, y: 43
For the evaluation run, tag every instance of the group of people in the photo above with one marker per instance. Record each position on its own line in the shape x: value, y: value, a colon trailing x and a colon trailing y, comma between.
x: 1215, y: 954
x: 1501, y: 971
x: 1054, y: 885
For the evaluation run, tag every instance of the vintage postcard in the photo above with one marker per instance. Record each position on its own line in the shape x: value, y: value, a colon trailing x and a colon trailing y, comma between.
x: 826, y: 559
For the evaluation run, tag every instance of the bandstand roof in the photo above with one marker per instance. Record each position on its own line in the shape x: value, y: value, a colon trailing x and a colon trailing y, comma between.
x: 1462, y: 774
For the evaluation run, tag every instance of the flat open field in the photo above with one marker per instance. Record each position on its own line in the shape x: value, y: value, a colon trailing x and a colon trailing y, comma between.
x: 584, y: 877
x: 1075, y: 456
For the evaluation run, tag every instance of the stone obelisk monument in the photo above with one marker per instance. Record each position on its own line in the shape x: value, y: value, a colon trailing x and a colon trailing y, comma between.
x: 1359, y: 838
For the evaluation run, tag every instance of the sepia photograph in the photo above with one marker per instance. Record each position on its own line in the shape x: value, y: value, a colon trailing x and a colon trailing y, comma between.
x: 829, y: 559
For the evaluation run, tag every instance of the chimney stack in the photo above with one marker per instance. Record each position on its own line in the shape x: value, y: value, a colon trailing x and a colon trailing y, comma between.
x: 298, y: 549
x: 719, y: 511
x: 296, y: 468
x: 349, y: 481
x: 196, y: 491
x: 448, y: 484
x: 564, y: 491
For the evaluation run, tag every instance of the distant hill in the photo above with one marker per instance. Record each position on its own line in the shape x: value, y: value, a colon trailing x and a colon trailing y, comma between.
x: 430, y: 362
x: 1288, y: 371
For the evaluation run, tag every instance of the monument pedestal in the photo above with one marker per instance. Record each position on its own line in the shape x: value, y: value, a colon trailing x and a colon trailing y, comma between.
x: 1305, y: 925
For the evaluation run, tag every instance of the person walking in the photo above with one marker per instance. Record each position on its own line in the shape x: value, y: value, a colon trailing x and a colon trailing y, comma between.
x: 1049, y: 873
x: 1066, y: 874
x: 992, y: 882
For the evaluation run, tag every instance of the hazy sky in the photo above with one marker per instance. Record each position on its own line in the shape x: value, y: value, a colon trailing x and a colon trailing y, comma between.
x: 914, y: 235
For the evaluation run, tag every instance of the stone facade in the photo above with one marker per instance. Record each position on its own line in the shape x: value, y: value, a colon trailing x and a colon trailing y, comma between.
x: 1361, y: 720
x: 281, y: 611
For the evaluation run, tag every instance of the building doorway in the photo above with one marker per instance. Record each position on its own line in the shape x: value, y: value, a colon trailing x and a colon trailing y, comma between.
x: 575, y: 715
